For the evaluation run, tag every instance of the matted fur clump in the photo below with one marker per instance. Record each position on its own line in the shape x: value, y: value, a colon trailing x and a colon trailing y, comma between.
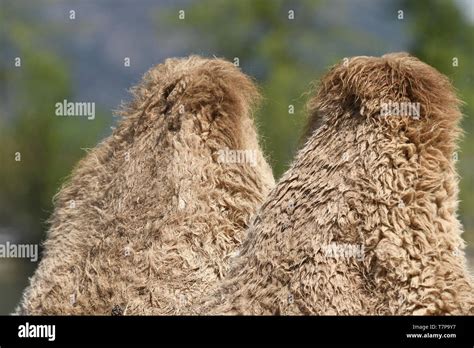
x: 364, y: 221
x: 149, y: 218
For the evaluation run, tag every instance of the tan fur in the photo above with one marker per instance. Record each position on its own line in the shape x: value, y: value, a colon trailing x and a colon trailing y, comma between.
x: 385, y: 183
x: 156, y: 217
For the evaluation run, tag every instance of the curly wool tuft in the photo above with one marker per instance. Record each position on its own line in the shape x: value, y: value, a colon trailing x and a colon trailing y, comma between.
x: 149, y: 217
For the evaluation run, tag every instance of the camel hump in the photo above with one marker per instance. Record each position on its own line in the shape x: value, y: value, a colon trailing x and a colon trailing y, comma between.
x: 204, y: 87
x: 396, y: 89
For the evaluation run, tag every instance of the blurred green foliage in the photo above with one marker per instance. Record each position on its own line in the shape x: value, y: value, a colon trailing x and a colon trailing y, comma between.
x: 48, y: 145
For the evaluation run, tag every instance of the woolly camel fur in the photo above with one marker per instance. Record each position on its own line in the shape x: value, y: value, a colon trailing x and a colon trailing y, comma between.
x: 149, y: 217
x: 364, y: 221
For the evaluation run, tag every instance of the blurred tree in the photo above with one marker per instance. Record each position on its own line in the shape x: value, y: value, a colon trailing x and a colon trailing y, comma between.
x: 48, y: 145
x: 444, y: 38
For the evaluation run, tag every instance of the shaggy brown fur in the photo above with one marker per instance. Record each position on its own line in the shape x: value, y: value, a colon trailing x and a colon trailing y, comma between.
x: 149, y: 218
x: 383, y: 189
